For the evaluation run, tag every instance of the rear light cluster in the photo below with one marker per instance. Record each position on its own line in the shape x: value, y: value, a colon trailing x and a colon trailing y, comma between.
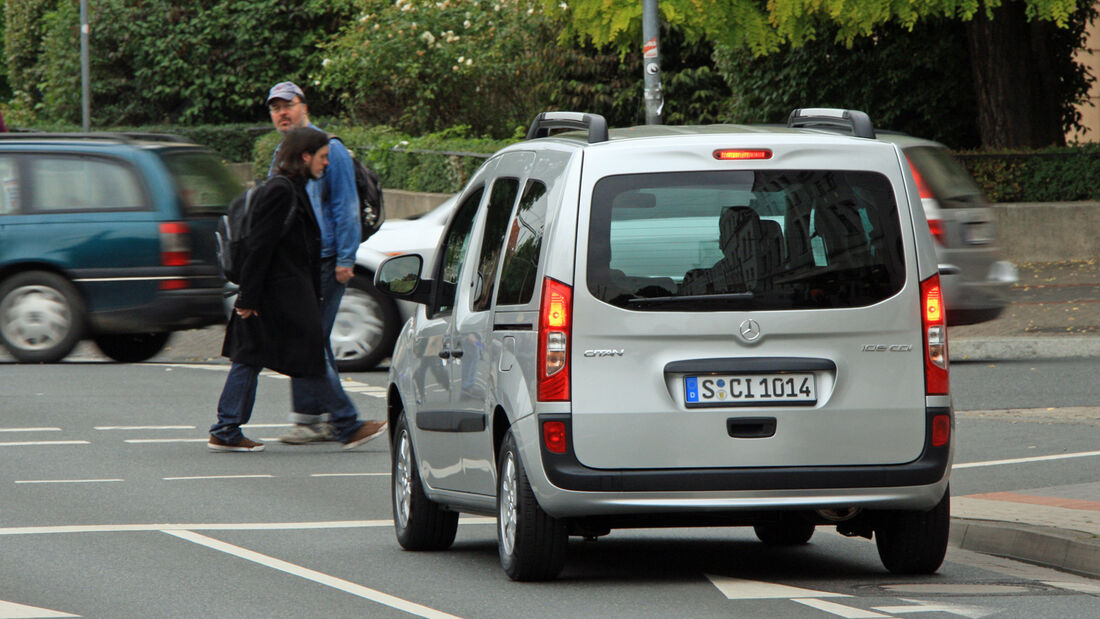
x: 934, y: 322
x: 175, y: 251
x: 555, y: 324
x: 935, y: 226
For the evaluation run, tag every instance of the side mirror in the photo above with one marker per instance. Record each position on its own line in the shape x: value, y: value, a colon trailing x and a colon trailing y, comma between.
x: 399, y: 277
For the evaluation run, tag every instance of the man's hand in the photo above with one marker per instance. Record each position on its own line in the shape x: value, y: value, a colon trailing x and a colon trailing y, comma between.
x: 344, y: 274
x: 246, y: 313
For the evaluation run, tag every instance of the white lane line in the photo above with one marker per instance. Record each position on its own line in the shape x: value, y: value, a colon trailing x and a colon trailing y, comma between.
x: 313, y: 575
x: 218, y: 526
x: 1081, y: 454
x: 30, y: 429
x: 839, y: 610
x: 41, y: 443
x: 165, y: 440
x: 742, y: 589
x: 257, y: 476
x: 11, y: 610
x: 349, y: 475
x: 65, y: 481
x: 145, y: 427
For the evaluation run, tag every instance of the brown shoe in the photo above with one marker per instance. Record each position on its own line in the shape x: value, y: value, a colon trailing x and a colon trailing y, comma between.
x: 367, y: 431
x: 245, y: 444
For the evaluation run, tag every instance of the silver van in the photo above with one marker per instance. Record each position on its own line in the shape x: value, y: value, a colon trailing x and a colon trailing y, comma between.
x: 677, y: 326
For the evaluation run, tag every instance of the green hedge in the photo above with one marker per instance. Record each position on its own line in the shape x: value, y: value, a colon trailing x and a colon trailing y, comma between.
x: 1050, y: 175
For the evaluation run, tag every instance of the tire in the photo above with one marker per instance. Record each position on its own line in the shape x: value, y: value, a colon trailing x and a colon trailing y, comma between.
x: 41, y: 317
x: 531, y: 544
x: 132, y: 347
x: 914, y: 542
x: 420, y: 524
x: 366, y: 327
x: 790, y: 530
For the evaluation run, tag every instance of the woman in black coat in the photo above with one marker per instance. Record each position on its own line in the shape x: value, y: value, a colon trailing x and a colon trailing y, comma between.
x: 276, y: 322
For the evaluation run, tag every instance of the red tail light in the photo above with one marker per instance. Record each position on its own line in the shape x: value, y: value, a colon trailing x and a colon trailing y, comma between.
x: 555, y: 324
x: 737, y: 154
x: 941, y: 430
x: 922, y: 187
x: 934, y: 320
x: 553, y: 436
x: 175, y: 251
x: 935, y: 226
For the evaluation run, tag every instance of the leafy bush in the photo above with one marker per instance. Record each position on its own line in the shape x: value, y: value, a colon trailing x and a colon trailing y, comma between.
x: 1050, y: 175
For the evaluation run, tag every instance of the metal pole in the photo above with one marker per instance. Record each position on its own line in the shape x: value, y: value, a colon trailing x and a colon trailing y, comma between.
x: 85, y: 68
x: 651, y: 58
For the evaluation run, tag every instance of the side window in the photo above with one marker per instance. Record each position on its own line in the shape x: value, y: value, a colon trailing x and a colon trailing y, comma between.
x: 453, y: 250
x: 521, y: 252
x: 9, y: 186
x: 78, y: 183
x: 501, y: 200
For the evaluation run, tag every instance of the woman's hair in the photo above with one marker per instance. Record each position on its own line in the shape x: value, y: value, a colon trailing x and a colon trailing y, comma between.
x: 295, y: 143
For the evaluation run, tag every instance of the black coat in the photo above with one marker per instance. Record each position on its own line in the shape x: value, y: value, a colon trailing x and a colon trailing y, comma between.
x: 281, y: 279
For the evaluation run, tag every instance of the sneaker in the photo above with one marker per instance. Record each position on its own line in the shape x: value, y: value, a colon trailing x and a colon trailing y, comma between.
x: 367, y: 431
x: 303, y: 433
x: 245, y: 444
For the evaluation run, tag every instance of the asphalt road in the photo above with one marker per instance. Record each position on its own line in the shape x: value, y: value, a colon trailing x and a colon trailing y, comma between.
x: 110, y: 506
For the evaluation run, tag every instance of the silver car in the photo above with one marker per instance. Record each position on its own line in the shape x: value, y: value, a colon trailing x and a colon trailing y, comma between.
x: 975, y: 277
x: 676, y: 326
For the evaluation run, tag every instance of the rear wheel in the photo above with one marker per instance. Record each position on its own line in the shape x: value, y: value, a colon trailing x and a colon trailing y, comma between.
x: 132, y: 347
x: 912, y: 542
x: 366, y: 327
x: 790, y: 530
x: 420, y: 523
x: 41, y: 316
x: 531, y: 543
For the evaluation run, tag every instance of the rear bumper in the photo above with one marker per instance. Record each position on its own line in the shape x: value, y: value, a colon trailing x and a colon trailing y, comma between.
x: 970, y: 301
x: 572, y: 488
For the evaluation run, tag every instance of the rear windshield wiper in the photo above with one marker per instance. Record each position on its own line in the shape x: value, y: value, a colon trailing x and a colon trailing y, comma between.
x: 699, y: 300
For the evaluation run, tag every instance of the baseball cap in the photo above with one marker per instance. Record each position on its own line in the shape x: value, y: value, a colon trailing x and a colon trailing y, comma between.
x: 285, y: 90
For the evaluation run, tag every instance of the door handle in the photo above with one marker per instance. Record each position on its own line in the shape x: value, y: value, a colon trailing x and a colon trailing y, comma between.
x: 444, y: 354
x: 456, y: 353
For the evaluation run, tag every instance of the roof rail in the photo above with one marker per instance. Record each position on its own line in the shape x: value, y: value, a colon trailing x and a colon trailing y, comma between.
x: 125, y: 137
x: 859, y: 123
x: 545, y: 121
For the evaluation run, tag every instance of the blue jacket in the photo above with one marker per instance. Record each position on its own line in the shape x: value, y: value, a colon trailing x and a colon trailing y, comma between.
x: 339, y: 215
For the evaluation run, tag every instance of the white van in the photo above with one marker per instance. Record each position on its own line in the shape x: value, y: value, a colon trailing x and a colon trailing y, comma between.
x: 677, y: 326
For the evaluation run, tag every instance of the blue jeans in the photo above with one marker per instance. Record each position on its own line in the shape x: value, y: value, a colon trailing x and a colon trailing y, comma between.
x: 235, y: 403
x: 312, y: 396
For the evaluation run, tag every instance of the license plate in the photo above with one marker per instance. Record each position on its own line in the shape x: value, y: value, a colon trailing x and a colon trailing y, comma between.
x: 750, y: 389
x: 978, y: 233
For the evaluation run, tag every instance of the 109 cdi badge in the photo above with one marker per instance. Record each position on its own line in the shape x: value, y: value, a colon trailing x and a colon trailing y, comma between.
x: 668, y: 326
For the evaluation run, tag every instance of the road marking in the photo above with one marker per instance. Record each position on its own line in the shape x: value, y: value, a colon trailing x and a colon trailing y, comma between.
x: 11, y: 610
x: 1081, y: 454
x: 257, y: 476
x: 348, y: 383
x: 165, y: 440
x: 41, y: 443
x: 965, y: 610
x: 318, y: 577
x: 30, y: 429
x: 741, y: 589
x: 839, y: 610
x: 64, y: 481
x: 145, y: 427
x: 349, y: 475
x: 217, y: 526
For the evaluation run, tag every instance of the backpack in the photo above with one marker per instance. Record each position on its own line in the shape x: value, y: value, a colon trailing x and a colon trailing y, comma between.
x: 231, y: 234
x: 369, y: 188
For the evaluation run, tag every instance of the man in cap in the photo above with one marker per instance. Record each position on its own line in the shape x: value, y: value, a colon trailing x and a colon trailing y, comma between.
x: 336, y: 205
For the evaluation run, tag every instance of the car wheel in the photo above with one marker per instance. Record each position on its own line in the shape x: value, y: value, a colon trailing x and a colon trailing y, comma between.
x: 365, y: 329
x: 914, y: 542
x: 790, y: 530
x: 420, y: 523
x: 132, y: 347
x: 41, y: 317
x: 532, y: 544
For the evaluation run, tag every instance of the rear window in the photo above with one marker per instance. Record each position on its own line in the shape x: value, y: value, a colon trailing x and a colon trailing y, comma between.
x: 949, y: 181
x: 769, y: 240
x: 205, y: 184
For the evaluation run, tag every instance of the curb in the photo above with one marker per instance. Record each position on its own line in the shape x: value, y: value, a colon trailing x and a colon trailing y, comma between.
x: 1023, y: 348
x: 1066, y: 550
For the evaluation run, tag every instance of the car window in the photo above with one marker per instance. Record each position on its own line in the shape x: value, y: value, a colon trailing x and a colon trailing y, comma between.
x: 204, y: 184
x: 75, y: 183
x: 521, y: 252
x: 744, y: 240
x: 948, y: 180
x: 453, y: 250
x: 9, y: 186
x: 501, y: 199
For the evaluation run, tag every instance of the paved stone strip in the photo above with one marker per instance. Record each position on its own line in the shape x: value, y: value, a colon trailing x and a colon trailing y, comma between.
x: 1039, y: 500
